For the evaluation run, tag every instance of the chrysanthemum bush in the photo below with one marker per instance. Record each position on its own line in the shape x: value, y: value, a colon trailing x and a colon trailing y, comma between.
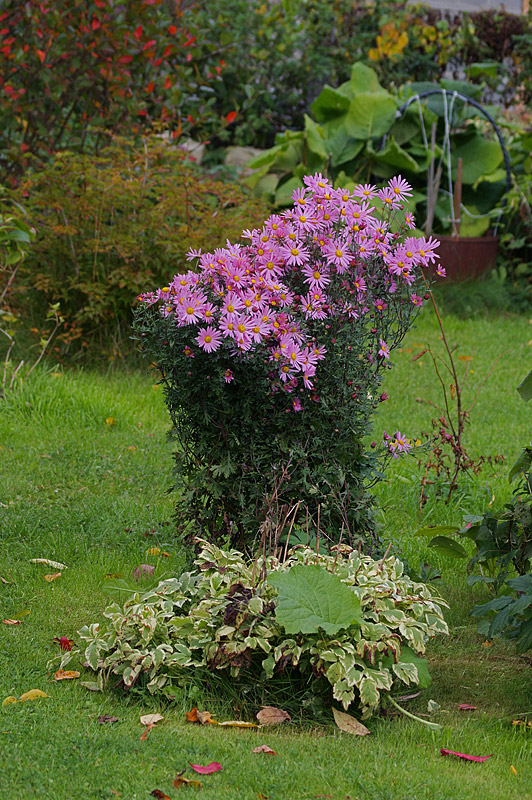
x: 272, y: 354
x: 344, y: 621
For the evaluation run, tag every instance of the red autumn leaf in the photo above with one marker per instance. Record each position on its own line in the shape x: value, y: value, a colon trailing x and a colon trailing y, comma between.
x: 159, y: 794
x: 64, y: 643
x: 125, y: 59
x: 167, y: 83
x: 230, y: 117
x: 415, y: 358
x: 96, y: 24
x: 172, y: 30
x: 138, y: 32
x: 263, y: 748
x: 208, y: 770
x: 466, y: 707
x: 445, y: 752
x: 42, y: 55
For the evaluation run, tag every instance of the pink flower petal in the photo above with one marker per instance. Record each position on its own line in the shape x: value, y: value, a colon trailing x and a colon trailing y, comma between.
x: 210, y: 768
x: 445, y: 752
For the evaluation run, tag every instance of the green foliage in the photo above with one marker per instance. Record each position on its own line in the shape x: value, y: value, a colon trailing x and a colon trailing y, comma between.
x: 72, y: 68
x: 227, y: 615
x: 110, y: 225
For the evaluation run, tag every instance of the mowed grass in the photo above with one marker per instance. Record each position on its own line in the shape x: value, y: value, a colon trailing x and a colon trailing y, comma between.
x: 85, y: 469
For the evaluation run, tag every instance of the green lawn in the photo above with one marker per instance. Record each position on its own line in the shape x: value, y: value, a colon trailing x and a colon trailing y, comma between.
x: 85, y: 468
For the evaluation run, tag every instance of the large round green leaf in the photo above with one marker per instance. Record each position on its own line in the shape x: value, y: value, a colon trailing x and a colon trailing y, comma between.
x: 312, y: 598
x: 370, y: 115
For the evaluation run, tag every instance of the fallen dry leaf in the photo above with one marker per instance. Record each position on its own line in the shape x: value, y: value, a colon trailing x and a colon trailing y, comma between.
x: 513, y: 769
x: 269, y: 715
x: 106, y: 718
x: 66, y: 675
x: 64, y: 642
x: 208, y: 770
x: 141, y: 571
x: 180, y: 780
x: 467, y: 707
x: 203, y: 717
x: 263, y: 748
x: 52, y: 577
x: 263, y: 796
x: 47, y: 561
x: 12, y: 621
x: 446, y: 752
x: 236, y: 723
x: 160, y: 795
x: 145, y: 732
x: 525, y: 723
x: 33, y: 694
x: 113, y: 575
x: 9, y: 700
x: 349, y: 724
x: 153, y: 551
x: 111, y: 421
x: 151, y: 719
x: 3, y: 580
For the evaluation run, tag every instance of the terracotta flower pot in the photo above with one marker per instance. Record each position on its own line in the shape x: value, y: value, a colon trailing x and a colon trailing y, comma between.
x: 466, y: 257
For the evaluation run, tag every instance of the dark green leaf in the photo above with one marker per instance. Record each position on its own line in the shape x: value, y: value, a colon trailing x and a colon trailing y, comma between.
x: 525, y: 388
x: 448, y: 547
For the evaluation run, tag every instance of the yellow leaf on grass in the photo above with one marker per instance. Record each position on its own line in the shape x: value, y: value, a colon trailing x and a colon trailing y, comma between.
x: 63, y: 675
x: 513, y: 769
x: 236, y: 723
x: 47, y: 561
x: 110, y: 421
x: 9, y: 700
x: 153, y: 551
x: 349, y: 724
x: 33, y: 694
x: 52, y: 577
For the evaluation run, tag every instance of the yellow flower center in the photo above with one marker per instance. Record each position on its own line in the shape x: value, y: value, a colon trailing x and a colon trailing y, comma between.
x: 338, y: 253
x: 294, y: 251
x: 208, y: 339
x: 301, y: 219
x: 241, y: 328
x: 285, y: 368
x: 316, y: 275
x: 190, y: 310
x: 230, y: 308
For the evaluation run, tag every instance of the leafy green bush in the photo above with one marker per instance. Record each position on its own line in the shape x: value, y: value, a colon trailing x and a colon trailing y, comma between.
x: 108, y: 225
x: 357, y: 623
x: 272, y: 356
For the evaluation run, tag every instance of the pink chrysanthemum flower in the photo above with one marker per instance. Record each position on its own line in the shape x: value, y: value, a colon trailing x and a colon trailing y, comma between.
x: 209, y: 339
x: 316, y: 277
x: 366, y: 191
x: 388, y: 198
x: 295, y: 253
x: 384, y: 351
x: 296, y: 405
x: 410, y: 220
x: 400, y: 187
x: 416, y: 300
x: 337, y: 253
x: 228, y: 376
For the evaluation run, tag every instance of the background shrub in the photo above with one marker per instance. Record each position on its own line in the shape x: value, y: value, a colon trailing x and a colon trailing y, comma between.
x: 110, y: 225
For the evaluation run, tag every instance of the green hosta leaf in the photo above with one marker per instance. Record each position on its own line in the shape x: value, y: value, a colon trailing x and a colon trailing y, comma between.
x: 370, y: 115
x: 312, y: 598
x: 525, y: 388
x: 329, y: 104
x: 448, y: 547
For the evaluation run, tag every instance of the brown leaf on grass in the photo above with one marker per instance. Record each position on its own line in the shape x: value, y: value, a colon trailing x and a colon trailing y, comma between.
x: 13, y: 621
x: 203, y: 717
x: 145, y: 732
x: 467, y: 707
x: 65, y: 675
x: 269, y: 715
x: 263, y: 796
x: 141, y: 571
x: 9, y: 700
x: 180, y: 781
x: 524, y: 723
x: 349, y: 724
x: 106, y: 718
x: 263, y: 748
x: 159, y: 794
x: 419, y: 355
x: 52, y: 576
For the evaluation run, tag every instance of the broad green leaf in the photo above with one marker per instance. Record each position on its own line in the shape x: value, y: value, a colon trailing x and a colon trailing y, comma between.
x: 364, y: 79
x: 370, y: 115
x: 314, y: 136
x: 342, y: 147
x: 490, y: 68
x: 266, y: 158
x: 497, y: 604
x: 312, y: 598
x: 525, y: 388
x: 266, y: 185
x: 447, y: 547
x: 523, y: 583
x: 330, y: 103
x: 462, y: 87
x: 474, y: 225
x: 524, y: 641
x: 430, y: 530
x: 479, y: 156
x: 408, y: 656
x: 283, y: 195
x: 394, y: 155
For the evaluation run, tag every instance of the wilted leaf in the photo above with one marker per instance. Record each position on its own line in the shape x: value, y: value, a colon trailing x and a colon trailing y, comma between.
x: 513, y: 769
x: 54, y: 564
x: 160, y: 795
x: 142, y: 570
x: 349, y: 724
x: 180, y: 780
x: 9, y: 700
x: 523, y: 723
x: 207, y: 770
x: 433, y: 706
x: 111, y: 421
x: 153, y: 551
x: 312, y: 598
x: 236, y: 723
x: 113, y: 575
x: 145, y: 732
x: 3, y: 580
x: 466, y: 707
x: 33, y: 694
x: 106, y: 718
x: 151, y: 719
x: 445, y: 752
x: 63, y: 675
x: 263, y: 748
x: 203, y: 717
x: 52, y: 577
x: 92, y: 686
x: 12, y: 621
x: 269, y: 715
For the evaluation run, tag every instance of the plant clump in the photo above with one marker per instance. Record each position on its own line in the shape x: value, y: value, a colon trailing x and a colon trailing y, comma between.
x: 272, y: 356
x: 352, y: 622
